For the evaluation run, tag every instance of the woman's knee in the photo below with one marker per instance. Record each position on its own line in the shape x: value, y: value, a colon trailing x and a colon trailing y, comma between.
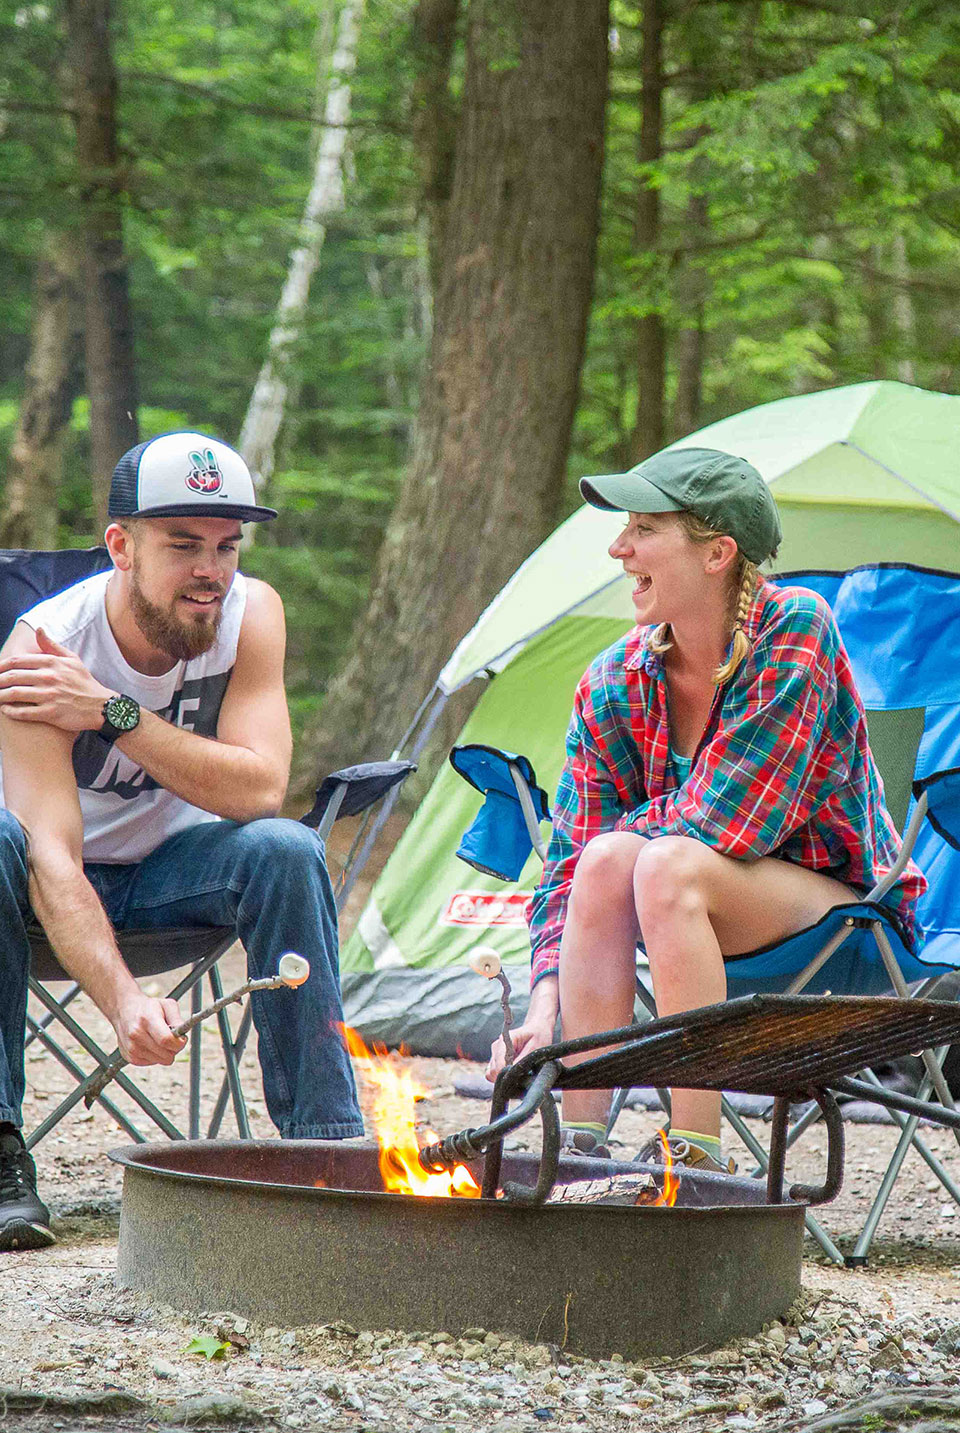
x: 605, y: 870
x: 670, y: 877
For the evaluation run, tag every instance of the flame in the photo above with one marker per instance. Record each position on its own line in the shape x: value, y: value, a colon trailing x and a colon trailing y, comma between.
x: 395, y: 1094
x: 671, y: 1184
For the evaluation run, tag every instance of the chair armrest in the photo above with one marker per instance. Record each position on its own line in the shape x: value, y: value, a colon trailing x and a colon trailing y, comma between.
x: 942, y: 791
x: 351, y: 790
x: 507, y: 826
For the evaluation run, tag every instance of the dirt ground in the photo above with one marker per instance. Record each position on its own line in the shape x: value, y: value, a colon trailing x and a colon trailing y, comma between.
x: 63, y: 1322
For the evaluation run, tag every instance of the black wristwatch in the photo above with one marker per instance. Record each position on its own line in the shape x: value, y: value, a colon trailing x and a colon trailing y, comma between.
x: 120, y: 715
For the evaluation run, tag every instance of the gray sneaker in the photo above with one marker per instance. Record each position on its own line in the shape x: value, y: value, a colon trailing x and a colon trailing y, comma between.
x: 691, y: 1156
x: 583, y: 1141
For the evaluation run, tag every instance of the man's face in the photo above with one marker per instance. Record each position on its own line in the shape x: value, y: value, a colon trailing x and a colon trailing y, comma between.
x: 182, y: 568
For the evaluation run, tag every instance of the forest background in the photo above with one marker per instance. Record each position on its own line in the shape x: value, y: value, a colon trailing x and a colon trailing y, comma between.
x: 426, y: 261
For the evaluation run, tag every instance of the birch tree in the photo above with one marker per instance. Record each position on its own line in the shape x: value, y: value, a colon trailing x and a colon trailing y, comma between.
x: 258, y: 435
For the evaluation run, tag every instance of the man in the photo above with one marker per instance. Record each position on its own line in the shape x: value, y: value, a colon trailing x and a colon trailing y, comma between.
x: 145, y: 749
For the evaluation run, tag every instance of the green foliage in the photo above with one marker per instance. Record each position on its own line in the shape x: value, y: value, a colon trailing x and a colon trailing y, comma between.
x: 824, y: 146
x: 808, y: 235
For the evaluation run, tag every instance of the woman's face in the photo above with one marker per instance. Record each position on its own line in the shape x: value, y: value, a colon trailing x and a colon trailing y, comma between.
x: 671, y: 572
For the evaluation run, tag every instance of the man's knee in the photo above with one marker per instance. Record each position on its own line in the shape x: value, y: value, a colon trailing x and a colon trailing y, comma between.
x: 284, y: 846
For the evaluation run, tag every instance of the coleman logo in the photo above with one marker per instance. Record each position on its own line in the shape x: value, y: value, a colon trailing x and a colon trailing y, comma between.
x: 484, y: 908
x: 205, y: 475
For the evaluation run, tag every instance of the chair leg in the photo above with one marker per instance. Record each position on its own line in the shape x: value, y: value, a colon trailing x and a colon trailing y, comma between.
x: 58, y: 1012
x: 908, y: 1126
x: 230, y: 1059
x: 933, y: 1069
x: 238, y: 1047
x: 102, y: 1058
x: 193, y: 1112
x: 35, y: 1026
x: 72, y: 1068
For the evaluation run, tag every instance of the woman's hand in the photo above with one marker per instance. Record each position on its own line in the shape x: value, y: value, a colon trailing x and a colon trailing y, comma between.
x: 537, y: 1029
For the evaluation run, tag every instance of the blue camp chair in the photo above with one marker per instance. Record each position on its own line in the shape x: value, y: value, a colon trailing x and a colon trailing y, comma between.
x: 25, y: 579
x: 901, y: 627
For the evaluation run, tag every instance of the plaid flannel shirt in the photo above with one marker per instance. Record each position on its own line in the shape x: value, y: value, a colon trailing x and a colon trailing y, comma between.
x: 783, y: 767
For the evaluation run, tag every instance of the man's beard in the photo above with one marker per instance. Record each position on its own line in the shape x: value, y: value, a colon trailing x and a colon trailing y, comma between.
x: 182, y: 640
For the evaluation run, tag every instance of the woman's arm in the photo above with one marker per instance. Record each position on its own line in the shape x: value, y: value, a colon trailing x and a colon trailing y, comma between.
x: 587, y: 802
x: 775, y: 761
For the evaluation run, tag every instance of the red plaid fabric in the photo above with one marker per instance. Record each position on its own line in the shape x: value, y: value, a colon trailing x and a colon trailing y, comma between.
x: 783, y: 767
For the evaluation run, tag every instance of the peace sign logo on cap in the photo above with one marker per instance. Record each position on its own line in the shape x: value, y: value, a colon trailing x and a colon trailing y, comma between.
x: 205, y: 475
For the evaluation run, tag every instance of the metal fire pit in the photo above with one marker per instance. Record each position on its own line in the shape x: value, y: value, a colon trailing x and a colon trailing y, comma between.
x: 242, y: 1225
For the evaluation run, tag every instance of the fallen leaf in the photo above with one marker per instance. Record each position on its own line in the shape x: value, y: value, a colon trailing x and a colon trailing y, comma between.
x: 208, y: 1346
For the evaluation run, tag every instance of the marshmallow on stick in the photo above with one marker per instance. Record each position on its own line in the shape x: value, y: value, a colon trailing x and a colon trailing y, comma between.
x: 485, y: 961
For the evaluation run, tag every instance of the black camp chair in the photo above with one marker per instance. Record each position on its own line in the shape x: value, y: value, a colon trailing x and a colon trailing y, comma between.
x: 25, y: 579
x: 913, y: 716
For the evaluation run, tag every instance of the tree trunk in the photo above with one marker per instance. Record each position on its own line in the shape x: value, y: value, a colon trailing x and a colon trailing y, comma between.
x: 258, y: 435
x: 29, y: 514
x: 691, y: 336
x: 434, y: 116
x: 902, y: 311
x: 649, y: 429
x: 108, y: 316
x: 498, y: 398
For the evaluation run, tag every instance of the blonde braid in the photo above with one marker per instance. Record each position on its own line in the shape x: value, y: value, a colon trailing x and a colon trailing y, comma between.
x: 748, y: 576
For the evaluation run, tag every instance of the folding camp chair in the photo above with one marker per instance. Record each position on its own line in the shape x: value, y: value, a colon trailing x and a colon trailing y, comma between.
x: 901, y: 627
x: 25, y: 579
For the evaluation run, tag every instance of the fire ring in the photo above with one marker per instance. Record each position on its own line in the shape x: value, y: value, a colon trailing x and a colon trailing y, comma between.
x: 294, y: 1232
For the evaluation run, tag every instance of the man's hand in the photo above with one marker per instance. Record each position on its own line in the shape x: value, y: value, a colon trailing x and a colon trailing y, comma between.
x: 144, y: 1029
x: 51, y: 686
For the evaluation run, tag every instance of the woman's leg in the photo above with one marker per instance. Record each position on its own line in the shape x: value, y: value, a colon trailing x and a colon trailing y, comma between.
x: 694, y: 906
x: 598, y: 955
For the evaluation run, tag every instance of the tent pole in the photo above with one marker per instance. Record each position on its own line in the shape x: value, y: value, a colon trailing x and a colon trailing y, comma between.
x: 432, y: 706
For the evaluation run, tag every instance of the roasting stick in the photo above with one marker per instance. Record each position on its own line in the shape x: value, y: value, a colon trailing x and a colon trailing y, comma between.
x: 486, y: 961
x: 292, y: 971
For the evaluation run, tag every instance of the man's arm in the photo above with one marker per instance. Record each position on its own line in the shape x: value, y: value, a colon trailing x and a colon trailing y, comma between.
x: 241, y: 775
x: 41, y: 791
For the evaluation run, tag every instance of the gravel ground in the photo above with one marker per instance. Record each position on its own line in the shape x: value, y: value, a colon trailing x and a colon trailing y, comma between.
x: 76, y: 1351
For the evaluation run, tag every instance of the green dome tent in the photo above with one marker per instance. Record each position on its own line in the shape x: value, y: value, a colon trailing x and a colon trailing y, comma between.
x: 867, y: 473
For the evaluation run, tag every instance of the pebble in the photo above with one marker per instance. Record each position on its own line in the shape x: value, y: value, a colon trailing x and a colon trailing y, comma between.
x: 802, y: 1372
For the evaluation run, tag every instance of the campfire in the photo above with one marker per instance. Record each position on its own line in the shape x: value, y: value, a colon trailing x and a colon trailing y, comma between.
x: 396, y: 1091
x: 394, y: 1118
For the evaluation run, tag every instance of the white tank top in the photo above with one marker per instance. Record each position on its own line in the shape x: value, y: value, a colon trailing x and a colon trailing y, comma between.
x: 126, y: 814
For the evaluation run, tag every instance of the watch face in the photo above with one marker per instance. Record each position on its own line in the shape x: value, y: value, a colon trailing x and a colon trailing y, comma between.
x: 122, y: 712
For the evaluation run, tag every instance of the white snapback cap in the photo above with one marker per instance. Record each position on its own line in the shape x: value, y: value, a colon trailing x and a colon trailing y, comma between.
x: 184, y: 474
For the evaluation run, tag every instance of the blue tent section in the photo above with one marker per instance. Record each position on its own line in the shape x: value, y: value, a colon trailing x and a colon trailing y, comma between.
x: 901, y: 626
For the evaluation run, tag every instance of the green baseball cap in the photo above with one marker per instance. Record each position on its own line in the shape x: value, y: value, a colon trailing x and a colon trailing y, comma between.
x: 724, y: 491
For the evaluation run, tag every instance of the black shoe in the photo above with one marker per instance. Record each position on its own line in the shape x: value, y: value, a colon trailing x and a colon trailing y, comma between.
x: 24, y: 1219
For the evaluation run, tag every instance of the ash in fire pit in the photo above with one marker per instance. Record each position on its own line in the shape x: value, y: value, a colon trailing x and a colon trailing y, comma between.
x: 300, y: 1232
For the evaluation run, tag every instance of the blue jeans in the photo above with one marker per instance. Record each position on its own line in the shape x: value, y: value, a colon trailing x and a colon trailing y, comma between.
x: 268, y: 880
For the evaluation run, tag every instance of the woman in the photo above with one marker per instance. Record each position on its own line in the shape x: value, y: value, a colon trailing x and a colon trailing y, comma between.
x: 719, y: 794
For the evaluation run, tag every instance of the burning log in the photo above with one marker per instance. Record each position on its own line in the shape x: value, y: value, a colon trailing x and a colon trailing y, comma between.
x: 626, y: 1189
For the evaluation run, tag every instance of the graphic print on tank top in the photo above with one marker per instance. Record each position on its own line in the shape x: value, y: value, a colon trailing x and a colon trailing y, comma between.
x: 100, y: 766
x: 126, y: 813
